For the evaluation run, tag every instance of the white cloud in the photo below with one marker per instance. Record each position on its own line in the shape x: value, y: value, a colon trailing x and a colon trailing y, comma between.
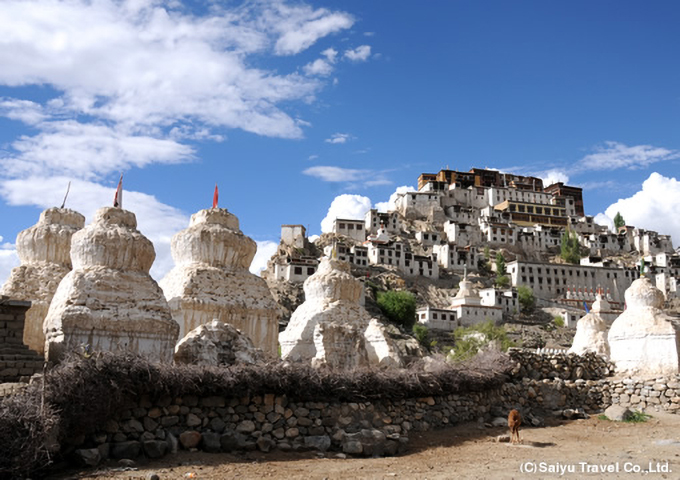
x: 88, y: 150
x: 312, y: 157
x: 613, y: 155
x: 301, y: 26
x: 554, y: 176
x: 265, y: 250
x: 604, y: 220
x: 144, y: 64
x: 25, y: 111
x: 353, y: 177
x: 655, y: 207
x: 345, y: 206
x: 318, y: 67
x: 331, y: 54
x: 389, y: 205
x: 338, y: 138
x: 8, y: 260
x: 359, y: 54
x: 337, y: 174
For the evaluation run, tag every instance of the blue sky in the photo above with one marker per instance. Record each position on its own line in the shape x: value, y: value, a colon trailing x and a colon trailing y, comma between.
x: 294, y: 107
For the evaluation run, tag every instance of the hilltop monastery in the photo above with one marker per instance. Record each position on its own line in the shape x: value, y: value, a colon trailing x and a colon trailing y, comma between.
x: 446, y: 225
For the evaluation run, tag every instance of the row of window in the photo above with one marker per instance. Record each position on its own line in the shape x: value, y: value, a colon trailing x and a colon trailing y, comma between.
x: 350, y: 226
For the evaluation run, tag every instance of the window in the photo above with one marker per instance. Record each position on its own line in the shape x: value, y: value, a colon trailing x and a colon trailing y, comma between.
x: 360, y: 227
x: 434, y: 316
x: 342, y: 225
x: 297, y: 270
x: 310, y: 270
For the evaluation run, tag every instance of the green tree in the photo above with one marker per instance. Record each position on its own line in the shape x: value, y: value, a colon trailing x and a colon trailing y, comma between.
x: 570, y: 250
x: 500, y: 264
x: 526, y: 299
x: 619, y: 221
x: 398, y: 307
x: 503, y: 281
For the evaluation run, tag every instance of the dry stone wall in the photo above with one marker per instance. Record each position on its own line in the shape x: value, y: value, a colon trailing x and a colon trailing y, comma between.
x: 17, y: 362
x: 154, y: 427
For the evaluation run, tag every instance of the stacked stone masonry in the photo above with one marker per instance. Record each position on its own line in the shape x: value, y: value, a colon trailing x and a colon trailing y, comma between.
x: 17, y: 362
x: 540, y: 385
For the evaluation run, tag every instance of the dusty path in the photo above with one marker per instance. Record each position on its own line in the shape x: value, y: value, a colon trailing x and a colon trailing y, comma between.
x: 461, y: 452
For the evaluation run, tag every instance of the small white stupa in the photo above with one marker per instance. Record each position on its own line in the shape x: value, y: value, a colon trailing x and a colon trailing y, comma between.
x: 109, y: 301
x: 211, y: 280
x: 44, y: 250
x: 643, y: 340
x: 331, y: 327
x: 591, y: 331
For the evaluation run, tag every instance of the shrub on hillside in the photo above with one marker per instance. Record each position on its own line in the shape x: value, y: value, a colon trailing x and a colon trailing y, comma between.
x: 471, y: 340
x: 398, y: 307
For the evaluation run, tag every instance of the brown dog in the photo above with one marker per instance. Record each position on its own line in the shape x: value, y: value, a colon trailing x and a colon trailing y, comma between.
x: 514, y: 421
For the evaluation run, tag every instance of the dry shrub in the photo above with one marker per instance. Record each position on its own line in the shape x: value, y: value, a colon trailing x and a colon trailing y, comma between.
x: 25, y: 432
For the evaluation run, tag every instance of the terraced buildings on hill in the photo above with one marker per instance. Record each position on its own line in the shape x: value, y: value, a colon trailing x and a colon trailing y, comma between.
x: 456, y: 218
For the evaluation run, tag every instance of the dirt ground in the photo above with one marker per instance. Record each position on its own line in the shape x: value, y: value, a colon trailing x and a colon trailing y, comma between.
x: 582, y: 448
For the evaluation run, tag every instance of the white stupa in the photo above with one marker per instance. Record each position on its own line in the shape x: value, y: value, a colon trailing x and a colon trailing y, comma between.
x: 211, y: 280
x: 109, y: 301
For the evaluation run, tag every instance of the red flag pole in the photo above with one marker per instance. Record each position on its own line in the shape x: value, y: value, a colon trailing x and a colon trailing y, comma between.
x: 118, y: 198
x: 215, y: 196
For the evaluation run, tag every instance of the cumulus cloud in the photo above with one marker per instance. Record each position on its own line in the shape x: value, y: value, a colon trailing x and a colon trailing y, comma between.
x: 614, y: 155
x: 8, y: 260
x: 265, y: 250
x: 554, y: 176
x: 136, y: 63
x: 318, y: 67
x: 359, y: 54
x: 352, y: 207
x: 655, y: 207
x: 605, y: 221
x: 337, y: 138
x: 390, y: 204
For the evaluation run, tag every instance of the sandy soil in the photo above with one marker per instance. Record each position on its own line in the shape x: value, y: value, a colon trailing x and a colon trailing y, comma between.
x: 582, y: 447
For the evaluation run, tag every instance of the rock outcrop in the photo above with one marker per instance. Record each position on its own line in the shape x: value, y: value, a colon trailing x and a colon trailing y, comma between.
x: 44, y: 250
x: 643, y: 340
x: 108, y: 300
x: 211, y: 280
x: 331, y: 328
x: 591, y: 331
x: 217, y: 343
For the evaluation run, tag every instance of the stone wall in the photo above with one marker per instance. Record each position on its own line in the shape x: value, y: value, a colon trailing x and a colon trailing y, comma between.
x: 17, y: 362
x: 559, y: 365
x: 380, y: 427
x: 659, y: 394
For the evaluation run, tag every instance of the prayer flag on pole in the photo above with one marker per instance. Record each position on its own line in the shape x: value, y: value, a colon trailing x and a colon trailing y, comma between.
x: 585, y: 307
x: 118, y: 198
x: 215, y: 196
